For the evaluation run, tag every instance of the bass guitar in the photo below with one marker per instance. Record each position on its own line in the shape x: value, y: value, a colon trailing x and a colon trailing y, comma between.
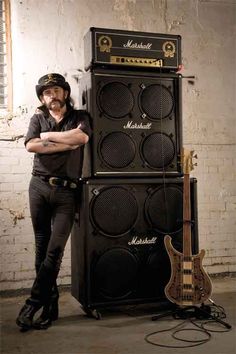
x: 189, y: 284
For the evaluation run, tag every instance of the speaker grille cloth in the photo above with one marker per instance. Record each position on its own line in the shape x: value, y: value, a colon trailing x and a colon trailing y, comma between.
x: 115, y: 273
x: 156, y: 101
x: 116, y: 100
x: 157, y: 271
x: 158, y: 150
x: 117, y: 150
x: 114, y: 211
x: 164, y: 209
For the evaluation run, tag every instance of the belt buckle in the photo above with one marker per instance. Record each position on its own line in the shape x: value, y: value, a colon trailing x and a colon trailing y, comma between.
x: 52, y: 181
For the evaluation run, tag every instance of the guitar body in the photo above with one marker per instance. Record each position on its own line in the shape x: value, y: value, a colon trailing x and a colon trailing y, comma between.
x: 189, y: 284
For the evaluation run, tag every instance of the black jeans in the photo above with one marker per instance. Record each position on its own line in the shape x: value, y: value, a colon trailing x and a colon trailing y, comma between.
x: 52, y: 211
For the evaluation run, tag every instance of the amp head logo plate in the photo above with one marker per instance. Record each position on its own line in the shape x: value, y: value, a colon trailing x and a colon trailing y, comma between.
x: 105, y: 44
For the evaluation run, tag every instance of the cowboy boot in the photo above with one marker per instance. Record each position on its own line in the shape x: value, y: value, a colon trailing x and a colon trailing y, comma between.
x: 25, y: 317
x: 41, y: 292
x: 49, y: 313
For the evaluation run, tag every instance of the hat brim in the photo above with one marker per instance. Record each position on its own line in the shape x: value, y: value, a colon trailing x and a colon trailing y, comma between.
x: 40, y: 88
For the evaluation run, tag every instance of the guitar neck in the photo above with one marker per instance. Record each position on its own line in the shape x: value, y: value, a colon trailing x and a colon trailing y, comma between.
x: 187, y: 246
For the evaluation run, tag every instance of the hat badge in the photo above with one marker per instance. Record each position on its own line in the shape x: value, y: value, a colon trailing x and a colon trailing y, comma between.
x: 49, y: 78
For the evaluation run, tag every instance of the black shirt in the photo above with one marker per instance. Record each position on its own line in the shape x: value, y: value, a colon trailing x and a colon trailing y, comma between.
x: 59, y: 164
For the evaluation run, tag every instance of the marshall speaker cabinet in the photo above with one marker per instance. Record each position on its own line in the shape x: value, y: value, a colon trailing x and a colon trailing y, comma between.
x: 137, y: 123
x: 118, y: 253
x: 130, y: 49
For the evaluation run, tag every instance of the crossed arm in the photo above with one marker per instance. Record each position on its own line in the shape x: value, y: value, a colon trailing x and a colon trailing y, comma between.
x: 51, y: 142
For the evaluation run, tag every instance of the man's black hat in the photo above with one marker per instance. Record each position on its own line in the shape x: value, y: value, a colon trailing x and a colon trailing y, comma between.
x: 49, y: 80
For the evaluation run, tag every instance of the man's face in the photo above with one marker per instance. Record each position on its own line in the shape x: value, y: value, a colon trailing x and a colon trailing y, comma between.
x: 54, y: 97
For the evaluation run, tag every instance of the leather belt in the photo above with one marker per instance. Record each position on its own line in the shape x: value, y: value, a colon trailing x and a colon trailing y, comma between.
x: 58, y: 181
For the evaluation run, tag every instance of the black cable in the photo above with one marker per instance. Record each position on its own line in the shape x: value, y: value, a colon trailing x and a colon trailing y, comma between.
x: 213, y: 313
x: 198, y: 341
x: 203, y: 326
x: 173, y: 335
x: 166, y: 206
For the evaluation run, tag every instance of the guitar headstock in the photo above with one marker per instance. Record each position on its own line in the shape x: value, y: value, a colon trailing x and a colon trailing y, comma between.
x: 187, y: 158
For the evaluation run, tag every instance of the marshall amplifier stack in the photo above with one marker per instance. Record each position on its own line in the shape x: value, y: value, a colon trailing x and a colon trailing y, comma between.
x: 116, y: 48
x: 132, y: 177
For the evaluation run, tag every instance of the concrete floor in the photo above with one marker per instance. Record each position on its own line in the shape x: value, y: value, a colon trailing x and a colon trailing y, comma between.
x: 120, y: 331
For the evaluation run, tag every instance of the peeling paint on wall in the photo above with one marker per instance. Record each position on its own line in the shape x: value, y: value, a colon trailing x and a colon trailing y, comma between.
x: 16, y: 215
x: 13, y: 126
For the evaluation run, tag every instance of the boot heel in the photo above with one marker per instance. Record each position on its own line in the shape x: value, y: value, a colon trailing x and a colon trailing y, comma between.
x: 49, y: 314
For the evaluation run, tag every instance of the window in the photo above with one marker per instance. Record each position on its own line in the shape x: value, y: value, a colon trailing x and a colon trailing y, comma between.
x: 5, y: 56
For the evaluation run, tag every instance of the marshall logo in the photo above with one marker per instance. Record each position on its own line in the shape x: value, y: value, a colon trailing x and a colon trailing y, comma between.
x: 134, y: 45
x: 131, y: 125
x: 140, y: 241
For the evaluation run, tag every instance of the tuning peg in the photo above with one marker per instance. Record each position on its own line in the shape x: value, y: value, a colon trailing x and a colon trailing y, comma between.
x: 195, y: 156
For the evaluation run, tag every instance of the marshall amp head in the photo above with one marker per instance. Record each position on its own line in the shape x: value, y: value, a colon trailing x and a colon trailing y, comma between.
x: 110, y: 48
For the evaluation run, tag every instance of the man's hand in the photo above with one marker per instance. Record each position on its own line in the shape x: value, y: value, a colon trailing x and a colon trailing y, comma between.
x: 44, y: 136
x: 74, y: 147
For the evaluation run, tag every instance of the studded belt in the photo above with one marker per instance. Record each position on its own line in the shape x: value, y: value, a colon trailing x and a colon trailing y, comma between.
x: 58, y: 181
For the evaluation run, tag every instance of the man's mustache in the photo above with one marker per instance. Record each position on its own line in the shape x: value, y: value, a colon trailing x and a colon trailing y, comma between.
x: 62, y: 103
x: 55, y: 100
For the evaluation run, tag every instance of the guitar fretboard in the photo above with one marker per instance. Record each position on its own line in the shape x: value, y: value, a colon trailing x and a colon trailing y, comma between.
x: 187, y: 246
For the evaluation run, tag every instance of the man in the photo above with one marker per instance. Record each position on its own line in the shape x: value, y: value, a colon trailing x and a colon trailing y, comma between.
x: 56, y: 134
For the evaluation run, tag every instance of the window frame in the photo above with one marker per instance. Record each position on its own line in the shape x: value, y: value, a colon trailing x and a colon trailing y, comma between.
x: 7, y: 54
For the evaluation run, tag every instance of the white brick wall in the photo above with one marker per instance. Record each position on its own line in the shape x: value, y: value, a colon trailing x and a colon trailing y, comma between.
x: 208, y: 112
x: 216, y: 175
